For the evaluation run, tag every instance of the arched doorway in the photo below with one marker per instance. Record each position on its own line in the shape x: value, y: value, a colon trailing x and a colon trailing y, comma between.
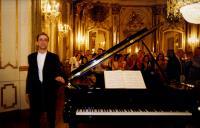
x: 98, y: 38
x: 172, y: 39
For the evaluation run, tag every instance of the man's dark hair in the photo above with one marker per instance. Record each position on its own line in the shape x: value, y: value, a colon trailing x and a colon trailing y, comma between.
x: 42, y: 33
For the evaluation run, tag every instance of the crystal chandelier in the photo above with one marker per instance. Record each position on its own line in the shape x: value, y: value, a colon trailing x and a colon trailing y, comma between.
x: 50, y: 8
x: 174, y: 7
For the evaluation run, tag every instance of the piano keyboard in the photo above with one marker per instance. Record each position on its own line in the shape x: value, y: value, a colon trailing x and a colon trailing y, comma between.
x: 129, y: 112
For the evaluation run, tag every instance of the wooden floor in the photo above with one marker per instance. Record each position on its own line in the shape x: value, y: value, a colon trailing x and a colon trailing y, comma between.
x: 19, y: 119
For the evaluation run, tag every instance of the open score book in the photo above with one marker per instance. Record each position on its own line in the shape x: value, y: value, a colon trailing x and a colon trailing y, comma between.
x: 124, y: 79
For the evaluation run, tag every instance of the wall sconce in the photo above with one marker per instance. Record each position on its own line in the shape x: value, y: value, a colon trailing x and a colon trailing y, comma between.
x: 188, y: 9
x: 93, y: 50
x: 136, y: 50
x: 50, y: 9
x: 80, y: 39
x: 102, y: 44
x: 193, y: 41
x: 129, y: 50
x: 63, y: 28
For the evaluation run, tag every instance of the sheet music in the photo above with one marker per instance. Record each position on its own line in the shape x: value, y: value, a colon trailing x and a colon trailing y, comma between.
x: 124, y: 79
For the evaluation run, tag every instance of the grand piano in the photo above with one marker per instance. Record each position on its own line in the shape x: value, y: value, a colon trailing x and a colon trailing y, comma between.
x: 161, y: 103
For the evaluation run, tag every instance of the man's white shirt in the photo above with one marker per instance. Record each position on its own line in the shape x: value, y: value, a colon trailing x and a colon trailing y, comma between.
x: 40, y: 61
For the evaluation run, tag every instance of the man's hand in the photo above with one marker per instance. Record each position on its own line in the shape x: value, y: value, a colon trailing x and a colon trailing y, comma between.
x: 60, y: 79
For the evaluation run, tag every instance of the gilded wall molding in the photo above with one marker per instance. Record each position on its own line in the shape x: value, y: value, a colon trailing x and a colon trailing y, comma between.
x: 0, y: 36
x: 23, y: 68
x: 8, y: 65
x: 5, y: 106
x: 116, y: 9
x: 17, y: 34
x: 36, y: 21
x: 14, y: 66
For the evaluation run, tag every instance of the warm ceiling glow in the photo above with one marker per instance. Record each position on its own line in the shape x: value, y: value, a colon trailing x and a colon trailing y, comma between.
x: 191, y: 13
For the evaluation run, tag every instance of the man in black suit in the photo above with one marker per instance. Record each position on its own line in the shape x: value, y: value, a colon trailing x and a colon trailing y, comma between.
x: 44, y: 76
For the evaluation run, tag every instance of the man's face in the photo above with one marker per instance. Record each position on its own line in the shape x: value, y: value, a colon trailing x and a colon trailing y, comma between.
x: 42, y: 42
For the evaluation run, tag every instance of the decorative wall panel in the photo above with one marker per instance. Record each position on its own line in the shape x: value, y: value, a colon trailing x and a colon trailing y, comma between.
x: 8, y: 96
x: 133, y: 19
x: 15, y: 45
x: 9, y: 34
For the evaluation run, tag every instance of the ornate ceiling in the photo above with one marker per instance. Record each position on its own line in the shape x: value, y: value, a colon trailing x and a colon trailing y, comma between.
x: 133, y: 2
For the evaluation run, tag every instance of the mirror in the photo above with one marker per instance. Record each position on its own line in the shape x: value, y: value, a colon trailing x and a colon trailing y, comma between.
x: 99, y: 38
x: 172, y: 39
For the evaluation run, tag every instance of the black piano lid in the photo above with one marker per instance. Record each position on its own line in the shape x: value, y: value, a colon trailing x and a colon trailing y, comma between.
x: 113, y: 50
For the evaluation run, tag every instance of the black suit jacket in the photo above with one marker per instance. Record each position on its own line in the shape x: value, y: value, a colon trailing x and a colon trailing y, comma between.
x: 47, y: 89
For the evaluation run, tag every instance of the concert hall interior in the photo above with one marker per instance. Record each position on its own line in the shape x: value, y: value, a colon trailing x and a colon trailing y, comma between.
x: 126, y: 63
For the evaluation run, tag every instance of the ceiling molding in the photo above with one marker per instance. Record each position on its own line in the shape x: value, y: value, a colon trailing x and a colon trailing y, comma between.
x: 135, y: 2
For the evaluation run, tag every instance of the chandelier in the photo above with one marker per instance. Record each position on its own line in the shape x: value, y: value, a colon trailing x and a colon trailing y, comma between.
x: 188, y: 9
x: 50, y: 8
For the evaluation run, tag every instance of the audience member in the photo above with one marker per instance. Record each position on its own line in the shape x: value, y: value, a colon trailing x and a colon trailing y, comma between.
x: 195, y: 67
